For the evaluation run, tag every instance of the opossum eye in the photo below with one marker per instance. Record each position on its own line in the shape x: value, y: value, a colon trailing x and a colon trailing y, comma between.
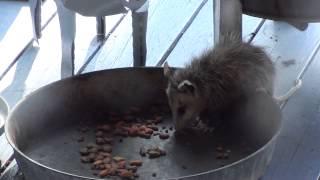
x: 181, y: 110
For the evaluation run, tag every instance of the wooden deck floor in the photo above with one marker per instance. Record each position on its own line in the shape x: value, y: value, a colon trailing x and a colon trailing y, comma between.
x: 297, y: 155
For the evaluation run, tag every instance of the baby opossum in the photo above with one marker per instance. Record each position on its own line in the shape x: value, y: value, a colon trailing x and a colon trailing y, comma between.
x: 219, y: 77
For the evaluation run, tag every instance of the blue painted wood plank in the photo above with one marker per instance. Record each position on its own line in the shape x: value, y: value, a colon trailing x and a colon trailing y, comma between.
x: 40, y: 65
x: 297, y: 154
x: 199, y: 36
x: 283, y: 43
x: 16, y: 29
x: 165, y: 21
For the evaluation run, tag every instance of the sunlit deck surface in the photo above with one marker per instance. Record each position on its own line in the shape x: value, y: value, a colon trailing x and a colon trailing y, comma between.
x: 26, y: 66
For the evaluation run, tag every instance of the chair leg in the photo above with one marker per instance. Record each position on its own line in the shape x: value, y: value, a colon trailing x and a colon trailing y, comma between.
x: 101, y: 27
x: 35, y: 8
x: 227, y: 18
x: 67, y: 21
x: 139, y: 33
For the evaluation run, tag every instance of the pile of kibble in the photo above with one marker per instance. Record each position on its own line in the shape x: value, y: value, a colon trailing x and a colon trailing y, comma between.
x: 99, y: 153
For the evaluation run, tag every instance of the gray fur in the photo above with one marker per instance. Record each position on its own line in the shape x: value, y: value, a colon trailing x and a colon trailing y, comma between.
x: 218, y: 77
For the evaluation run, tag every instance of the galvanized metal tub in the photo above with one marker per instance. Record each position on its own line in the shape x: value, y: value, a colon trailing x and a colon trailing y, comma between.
x: 4, y: 111
x: 41, y: 129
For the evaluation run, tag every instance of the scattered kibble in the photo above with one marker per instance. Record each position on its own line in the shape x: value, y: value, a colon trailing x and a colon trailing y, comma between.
x: 99, y: 134
x: 118, y: 158
x: 98, y: 154
x: 98, y: 162
x: 121, y: 164
x: 108, y: 140
x: 154, y: 128
x: 99, y: 157
x: 84, y: 151
x: 104, y: 173
x: 135, y: 163
x: 93, y: 150
x: 126, y: 174
x: 107, y: 148
x: 164, y: 136
x: 105, y: 128
x: 133, y: 168
x: 155, y: 152
x: 85, y: 159
x: 107, y: 160
x: 91, y: 145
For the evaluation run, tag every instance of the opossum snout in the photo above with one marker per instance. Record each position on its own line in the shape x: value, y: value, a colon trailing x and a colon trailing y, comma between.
x: 185, y: 108
x: 183, y: 117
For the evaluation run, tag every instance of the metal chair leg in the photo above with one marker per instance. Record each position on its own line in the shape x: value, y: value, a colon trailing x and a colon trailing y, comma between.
x: 139, y: 33
x: 101, y: 27
x: 35, y: 8
x: 67, y: 21
x: 227, y: 18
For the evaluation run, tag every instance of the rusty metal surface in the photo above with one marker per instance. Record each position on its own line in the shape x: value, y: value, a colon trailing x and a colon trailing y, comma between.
x: 42, y: 131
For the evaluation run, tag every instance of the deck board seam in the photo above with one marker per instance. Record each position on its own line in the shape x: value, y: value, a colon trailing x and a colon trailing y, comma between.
x: 15, y: 60
x: 306, y: 66
x: 181, y: 33
x: 98, y: 48
x: 253, y: 35
x: 176, y: 41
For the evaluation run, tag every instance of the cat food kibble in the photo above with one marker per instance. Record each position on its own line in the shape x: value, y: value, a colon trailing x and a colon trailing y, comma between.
x: 99, y: 134
x: 84, y: 151
x: 100, y: 155
x: 135, y: 163
x: 118, y: 158
x: 164, y: 136
x: 104, y: 173
x: 125, y: 173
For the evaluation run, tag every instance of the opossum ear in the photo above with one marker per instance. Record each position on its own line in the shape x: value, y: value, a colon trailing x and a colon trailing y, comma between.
x: 187, y: 86
x: 166, y: 70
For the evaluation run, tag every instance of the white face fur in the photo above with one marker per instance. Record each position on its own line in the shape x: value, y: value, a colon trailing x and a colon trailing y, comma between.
x: 184, y: 100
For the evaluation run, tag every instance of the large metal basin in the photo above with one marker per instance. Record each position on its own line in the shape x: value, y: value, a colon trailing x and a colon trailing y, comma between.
x: 4, y: 111
x: 41, y: 129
